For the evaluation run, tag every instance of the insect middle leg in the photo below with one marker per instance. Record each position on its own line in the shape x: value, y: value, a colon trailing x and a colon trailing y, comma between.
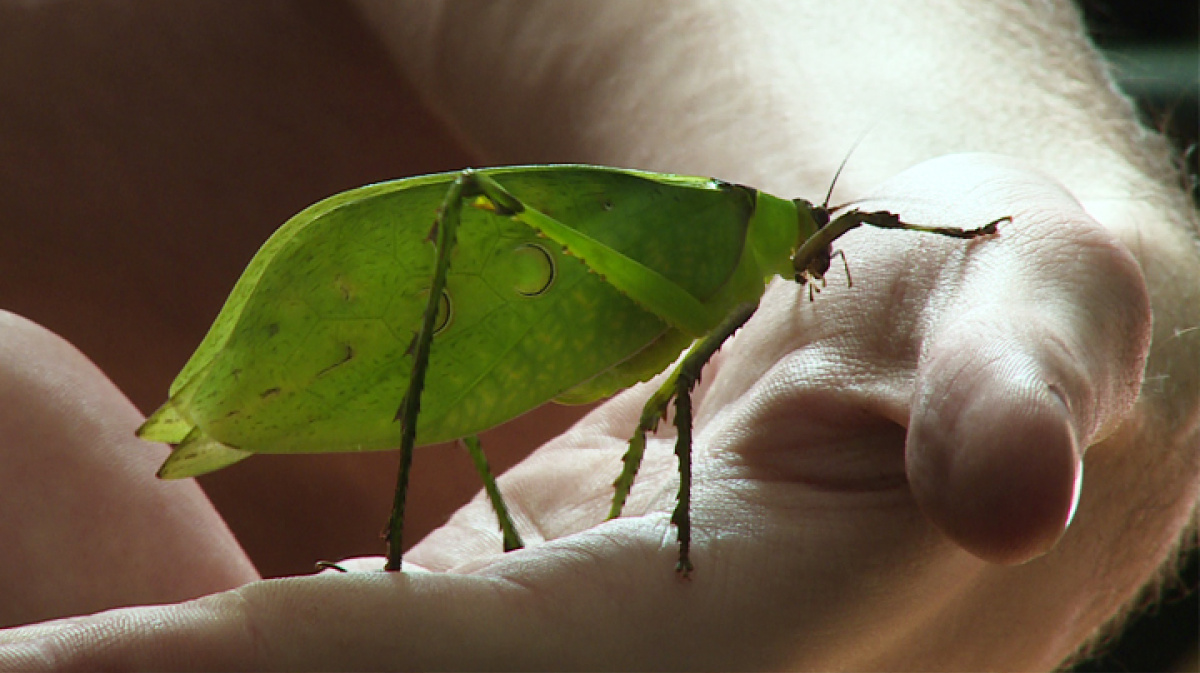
x: 512, y: 539
x: 677, y: 386
x: 812, y: 258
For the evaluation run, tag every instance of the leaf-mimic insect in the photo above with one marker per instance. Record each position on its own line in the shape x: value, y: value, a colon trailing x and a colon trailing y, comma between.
x: 432, y: 308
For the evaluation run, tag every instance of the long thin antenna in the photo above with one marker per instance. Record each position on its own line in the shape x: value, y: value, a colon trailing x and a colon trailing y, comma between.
x: 836, y: 175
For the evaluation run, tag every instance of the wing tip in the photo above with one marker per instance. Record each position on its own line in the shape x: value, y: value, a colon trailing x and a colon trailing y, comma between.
x: 199, y: 454
x: 165, y: 425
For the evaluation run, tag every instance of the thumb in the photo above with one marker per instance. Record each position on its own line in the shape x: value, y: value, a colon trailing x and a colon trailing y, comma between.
x: 1047, y: 361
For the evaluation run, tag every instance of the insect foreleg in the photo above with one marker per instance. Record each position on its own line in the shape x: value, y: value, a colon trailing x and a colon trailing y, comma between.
x: 446, y: 228
x: 886, y: 220
x: 812, y: 258
x: 512, y: 540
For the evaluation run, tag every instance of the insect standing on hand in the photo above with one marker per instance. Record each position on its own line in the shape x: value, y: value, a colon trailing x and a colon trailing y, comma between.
x: 359, y: 326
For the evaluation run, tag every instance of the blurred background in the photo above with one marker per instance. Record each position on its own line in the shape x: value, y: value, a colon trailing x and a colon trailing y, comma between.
x: 1153, y: 48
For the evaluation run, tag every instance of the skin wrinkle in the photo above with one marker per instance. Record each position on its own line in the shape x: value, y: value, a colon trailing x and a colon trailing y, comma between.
x: 813, y: 458
x: 758, y: 423
x: 948, y: 390
x: 1055, y: 240
x: 946, y: 460
x: 1067, y: 379
x: 1106, y: 389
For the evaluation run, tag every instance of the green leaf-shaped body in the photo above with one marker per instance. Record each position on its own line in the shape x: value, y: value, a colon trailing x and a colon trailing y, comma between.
x: 311, y: 352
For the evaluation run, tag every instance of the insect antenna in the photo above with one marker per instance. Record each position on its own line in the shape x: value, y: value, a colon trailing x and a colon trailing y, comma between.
x: 838, y: 173
x: 821, y: 264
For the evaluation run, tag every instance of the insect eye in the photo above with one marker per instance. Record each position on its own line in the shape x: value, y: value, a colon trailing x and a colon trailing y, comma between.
x: 445, y: 312
x: 533, y: 269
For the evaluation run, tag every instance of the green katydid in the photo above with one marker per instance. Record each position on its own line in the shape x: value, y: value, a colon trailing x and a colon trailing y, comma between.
x: 431, y: 308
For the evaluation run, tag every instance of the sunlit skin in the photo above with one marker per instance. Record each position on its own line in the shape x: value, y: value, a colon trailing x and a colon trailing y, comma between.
x: 884, y: 475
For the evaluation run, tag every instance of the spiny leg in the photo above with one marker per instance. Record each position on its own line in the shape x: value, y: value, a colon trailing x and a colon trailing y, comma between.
x: 654, y: 411
x: 886, y: 220
x: 445, y: 228
x: 680, y: 308
x: 512, y: 540
x: 682, y: 516
x: 504, y: 202
x: 679, y: 385
x: 684, y: 311
x: 812, y: 258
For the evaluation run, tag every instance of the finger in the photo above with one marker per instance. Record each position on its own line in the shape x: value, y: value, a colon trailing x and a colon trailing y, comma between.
x: 336, y: 621
x: 1045, y: 361
x: 377, y: 620
x: 81, y: 502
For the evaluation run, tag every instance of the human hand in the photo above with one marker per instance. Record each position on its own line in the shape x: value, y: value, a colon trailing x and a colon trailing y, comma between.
x: 811, y: 524
x: 85, y: 527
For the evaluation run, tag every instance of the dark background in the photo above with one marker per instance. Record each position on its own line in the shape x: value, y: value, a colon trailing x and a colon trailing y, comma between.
x: 1153, y: 46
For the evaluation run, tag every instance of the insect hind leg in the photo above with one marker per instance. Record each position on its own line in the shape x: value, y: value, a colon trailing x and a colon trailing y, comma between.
x: 512, y: 540
x: 445, y: 236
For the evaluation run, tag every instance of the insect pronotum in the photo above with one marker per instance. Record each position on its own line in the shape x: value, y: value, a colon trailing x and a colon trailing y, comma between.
x: 432, y: 308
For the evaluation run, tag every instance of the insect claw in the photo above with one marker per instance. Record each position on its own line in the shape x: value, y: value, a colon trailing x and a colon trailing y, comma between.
x: 683, y: 570
x: 992, y: 227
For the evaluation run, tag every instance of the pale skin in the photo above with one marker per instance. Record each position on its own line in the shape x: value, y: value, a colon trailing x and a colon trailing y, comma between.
x: 884, y: 476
